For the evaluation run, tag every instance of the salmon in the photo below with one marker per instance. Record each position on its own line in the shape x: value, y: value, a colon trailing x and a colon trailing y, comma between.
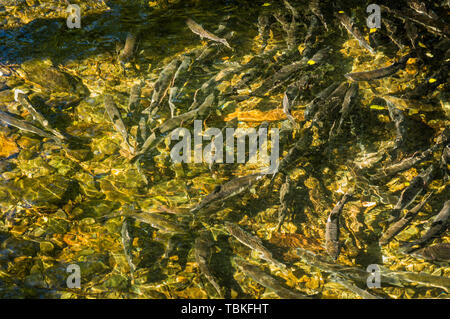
x: 198, y: 29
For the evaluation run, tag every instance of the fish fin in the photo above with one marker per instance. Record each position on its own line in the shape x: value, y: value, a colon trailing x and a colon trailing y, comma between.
x: 147, y: 110
x: 406, y: 246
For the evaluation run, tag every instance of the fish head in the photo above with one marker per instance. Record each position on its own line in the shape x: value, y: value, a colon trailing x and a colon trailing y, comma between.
x: 225, y: 43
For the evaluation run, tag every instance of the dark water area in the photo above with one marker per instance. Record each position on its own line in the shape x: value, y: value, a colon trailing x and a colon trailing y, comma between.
x: 93, y: 203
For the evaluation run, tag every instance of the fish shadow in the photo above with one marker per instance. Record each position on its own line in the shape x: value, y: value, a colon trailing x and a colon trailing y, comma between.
x: 222, y: 268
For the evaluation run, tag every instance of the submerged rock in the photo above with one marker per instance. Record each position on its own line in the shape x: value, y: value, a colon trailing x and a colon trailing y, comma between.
x: 7, y: 146
x: 49, y: 77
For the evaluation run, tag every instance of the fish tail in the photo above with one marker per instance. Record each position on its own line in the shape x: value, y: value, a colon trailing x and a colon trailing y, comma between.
x: 225, y: 43
x: 147, y: 110
x: 407, y: 247
x: 383, y: 241
x: 135, y: 158
x: 195, y: 209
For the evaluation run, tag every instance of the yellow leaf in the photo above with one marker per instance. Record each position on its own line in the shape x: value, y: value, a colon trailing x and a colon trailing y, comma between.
x: 411, y: 69
x: 422, y: 45
x: 368, y: 204
x: 431, y: 80
x: 372, y: 30
x: 377, y: 107
x: 266, y: 4
x: 260, y: 116
x: 191, y: 293
x: 311, y: 62
x: 341, y: 11
x: 246, y: 59
x: 7, y: 146
x: 278, y: 54
x: 295, y: 240
x: 115, y: 171
x: 181, y: 279
x: 19, y: 259
x: 313, y: 283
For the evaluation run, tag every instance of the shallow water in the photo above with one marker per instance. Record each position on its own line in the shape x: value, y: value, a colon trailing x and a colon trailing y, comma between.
x: 55, y: 198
